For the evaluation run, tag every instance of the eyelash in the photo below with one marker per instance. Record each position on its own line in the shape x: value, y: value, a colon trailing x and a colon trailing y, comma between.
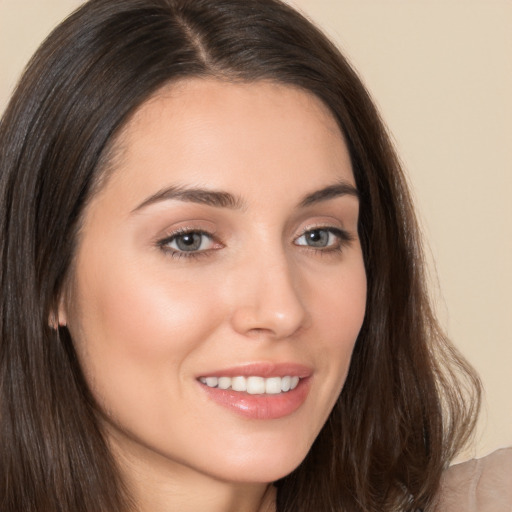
x: 164, y: 243
x: 343, y: 239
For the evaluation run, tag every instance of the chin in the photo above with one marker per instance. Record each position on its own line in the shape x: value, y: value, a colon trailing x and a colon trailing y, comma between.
x: 260, y: 464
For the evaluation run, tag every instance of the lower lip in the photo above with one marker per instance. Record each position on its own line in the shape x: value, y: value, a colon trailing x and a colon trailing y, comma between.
x: 261, y: 407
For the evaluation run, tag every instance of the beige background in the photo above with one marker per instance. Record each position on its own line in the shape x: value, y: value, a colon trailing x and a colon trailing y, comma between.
x: 441, y: 72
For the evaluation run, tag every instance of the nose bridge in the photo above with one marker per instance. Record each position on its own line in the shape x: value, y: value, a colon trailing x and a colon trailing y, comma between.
x: 269, y: 298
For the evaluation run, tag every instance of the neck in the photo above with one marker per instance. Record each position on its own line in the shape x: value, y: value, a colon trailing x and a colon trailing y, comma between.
x: 199, y: 494
x: 159, y: 485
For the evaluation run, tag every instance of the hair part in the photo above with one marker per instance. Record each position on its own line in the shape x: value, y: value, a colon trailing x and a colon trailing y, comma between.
x: 410, y: 400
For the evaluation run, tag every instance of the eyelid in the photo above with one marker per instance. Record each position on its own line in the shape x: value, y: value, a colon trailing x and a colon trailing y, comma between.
x: 328, y: 225
x: 163, y: 242
x: 344, y: 237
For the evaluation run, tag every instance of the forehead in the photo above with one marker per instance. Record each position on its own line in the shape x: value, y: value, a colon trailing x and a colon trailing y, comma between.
x: 217, y: 133
x: 213, y: 100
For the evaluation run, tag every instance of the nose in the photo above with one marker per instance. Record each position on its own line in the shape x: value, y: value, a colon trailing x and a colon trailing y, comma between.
x: 268, y: 299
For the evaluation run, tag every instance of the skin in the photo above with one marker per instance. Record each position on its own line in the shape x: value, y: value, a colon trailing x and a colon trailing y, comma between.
x: 147, y: 319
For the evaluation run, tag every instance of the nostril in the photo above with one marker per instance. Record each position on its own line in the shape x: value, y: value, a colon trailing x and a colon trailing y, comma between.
x: 266, y: 297
x: 269, y: 321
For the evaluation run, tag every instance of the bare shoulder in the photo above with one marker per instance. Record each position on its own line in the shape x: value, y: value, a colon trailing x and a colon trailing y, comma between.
x: 479, y: 485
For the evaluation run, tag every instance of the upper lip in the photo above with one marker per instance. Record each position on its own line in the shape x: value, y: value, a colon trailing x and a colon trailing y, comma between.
x: 264, y: 369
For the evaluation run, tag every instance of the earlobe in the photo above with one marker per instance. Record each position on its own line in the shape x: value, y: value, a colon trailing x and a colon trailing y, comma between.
x: 58, y: 316
x: 56, y: 321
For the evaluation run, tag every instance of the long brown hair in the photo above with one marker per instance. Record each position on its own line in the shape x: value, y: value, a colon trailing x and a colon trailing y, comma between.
x: 410, y: 400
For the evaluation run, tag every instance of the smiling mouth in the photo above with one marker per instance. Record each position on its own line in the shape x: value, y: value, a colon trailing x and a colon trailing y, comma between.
x: 253, y: 385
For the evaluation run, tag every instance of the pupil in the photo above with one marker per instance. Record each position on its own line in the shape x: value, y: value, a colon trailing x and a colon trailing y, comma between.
x: 189, y: 241
x: 318, y: 238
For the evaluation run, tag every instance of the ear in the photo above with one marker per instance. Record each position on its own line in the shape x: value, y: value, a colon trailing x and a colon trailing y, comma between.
x: 58, y: 315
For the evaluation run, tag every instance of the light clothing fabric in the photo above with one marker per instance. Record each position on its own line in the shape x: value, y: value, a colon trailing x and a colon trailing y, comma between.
x: 479, y: 485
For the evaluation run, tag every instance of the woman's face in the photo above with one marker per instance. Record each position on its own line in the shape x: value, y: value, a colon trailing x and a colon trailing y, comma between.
x: 221, y: 252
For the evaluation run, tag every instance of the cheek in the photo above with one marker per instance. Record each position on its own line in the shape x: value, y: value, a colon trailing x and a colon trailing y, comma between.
x: 134, y: 331
x: 339, y: 313
x: 133, y: 303
x: 340, y: 303
x: 130, y: 319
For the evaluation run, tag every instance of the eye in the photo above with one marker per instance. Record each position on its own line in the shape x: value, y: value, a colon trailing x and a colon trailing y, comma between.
x: 184, y: 242
x: 323, y: 238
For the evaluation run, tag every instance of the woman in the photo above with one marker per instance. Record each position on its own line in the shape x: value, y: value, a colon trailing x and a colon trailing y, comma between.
x: 212, y: 282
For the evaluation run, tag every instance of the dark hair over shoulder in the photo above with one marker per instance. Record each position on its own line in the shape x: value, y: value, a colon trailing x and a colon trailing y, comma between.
x: 403, y: 412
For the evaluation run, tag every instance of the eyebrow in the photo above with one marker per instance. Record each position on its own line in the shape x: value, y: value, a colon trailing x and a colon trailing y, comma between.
x: 221, y: 199
x: 340, y: 189
x: 218, y: 199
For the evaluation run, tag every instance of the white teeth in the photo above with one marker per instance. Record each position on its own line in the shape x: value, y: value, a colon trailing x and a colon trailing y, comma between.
x: 286, y: 383
x: 238, y: 384
x: 224, y: 382
x: 253, y: 385
x: 211, y: 381
x: 273, y: 385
